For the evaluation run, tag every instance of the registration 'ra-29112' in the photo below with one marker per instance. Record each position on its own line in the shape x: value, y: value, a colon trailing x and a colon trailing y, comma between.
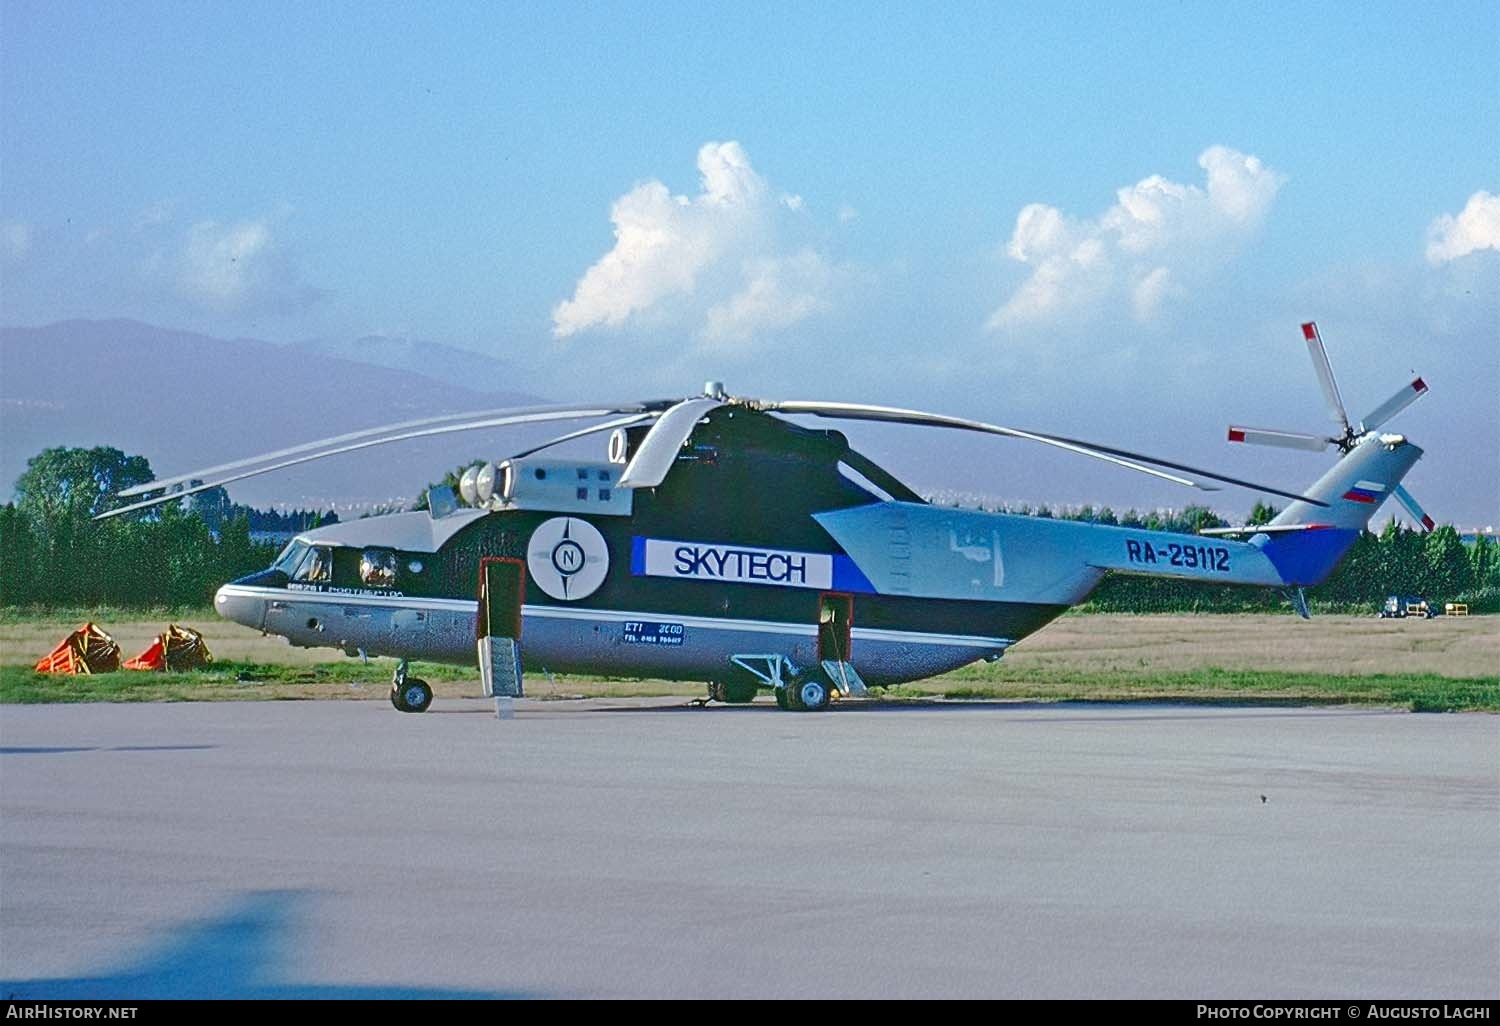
x: 1194, y: 557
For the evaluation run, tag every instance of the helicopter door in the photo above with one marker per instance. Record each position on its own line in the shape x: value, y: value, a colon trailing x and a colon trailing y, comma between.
x: 835, y: 618
x: 502, y: 589
x: 834, y: 613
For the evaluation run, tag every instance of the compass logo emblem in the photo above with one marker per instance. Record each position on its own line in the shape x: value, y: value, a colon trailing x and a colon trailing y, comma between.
x: 567, y: 558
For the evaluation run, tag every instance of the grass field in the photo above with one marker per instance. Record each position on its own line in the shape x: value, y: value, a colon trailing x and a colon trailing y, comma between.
x: 1446, y: 663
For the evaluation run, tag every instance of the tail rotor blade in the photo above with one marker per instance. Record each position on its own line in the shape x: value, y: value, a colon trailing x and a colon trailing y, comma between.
x: 1325, y: 374
x: 1283, y: 439
x: 658, y: 450
x: 1417, y: 513
x: 1394, y: 405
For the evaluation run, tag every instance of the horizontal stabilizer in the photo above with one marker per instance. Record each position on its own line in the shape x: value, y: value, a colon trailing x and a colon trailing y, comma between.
x: 1254, y: 529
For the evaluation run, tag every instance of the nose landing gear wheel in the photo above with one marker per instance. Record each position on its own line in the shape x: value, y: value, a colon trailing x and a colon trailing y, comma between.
x: 414, y: 696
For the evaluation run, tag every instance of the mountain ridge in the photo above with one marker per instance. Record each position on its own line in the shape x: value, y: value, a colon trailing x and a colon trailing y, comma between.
x: 186, y: 400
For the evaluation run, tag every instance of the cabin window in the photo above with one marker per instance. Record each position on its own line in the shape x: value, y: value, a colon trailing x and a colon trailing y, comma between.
x: 290, y: 557
x: 377, y: 568
x: 316, y: 567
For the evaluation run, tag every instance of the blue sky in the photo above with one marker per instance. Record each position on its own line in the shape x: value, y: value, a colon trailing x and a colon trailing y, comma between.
x: 1103, y: 223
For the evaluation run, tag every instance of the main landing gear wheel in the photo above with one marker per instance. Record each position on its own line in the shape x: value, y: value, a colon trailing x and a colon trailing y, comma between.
x: 812, y: 694
x: 737, y: 693
x: 733, y: 693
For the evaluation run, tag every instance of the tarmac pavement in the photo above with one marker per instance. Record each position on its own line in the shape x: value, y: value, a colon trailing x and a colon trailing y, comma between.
x: 639, y: 848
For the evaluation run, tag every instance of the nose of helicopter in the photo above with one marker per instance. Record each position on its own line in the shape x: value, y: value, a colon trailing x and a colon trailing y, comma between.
x: 238, y: 602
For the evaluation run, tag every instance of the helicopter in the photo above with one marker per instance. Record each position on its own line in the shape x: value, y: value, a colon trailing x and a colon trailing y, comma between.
x: 719, y: 541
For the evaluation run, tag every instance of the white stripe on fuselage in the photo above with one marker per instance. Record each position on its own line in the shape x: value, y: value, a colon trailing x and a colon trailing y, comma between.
x: 615, y: 616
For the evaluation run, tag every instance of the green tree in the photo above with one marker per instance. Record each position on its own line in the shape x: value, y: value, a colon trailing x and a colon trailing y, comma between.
x: 1197, y: 518
x: 75, y: 484
x: 17, y: 557
x: 1403, y: 565
x: 1262, y: 513
x: 1449, y: 571
x: 53, y: 552
x: 450, y: 479
x: 1484, y: 563
x: 1358, y: 577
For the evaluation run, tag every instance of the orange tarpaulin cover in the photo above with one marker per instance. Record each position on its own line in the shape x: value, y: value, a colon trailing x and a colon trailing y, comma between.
x: 176, y: 648
x: 87, y: 650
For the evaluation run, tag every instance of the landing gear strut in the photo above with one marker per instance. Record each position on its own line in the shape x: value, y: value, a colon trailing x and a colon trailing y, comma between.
x: 409, y: 694
x: 803, y: 691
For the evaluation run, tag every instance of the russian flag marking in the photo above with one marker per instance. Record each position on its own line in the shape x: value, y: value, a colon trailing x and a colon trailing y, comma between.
x: 1361, y: 495
x: 1370, y: 486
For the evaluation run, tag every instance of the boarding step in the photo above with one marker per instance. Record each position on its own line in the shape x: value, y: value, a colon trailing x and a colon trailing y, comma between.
x: 842, y: 675
x: 500, y: 667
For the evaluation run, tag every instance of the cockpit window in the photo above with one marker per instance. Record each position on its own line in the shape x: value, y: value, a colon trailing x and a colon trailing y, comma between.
x: 377, y: 568
x: 290, y: 557
x: 316, y: 567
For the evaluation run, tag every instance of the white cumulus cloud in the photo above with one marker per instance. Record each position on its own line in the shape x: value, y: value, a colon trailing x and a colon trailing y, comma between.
x: 239, y: 267
x: 1476, y: 227
x: 1142, y: 252
x: 719, y: 262
x: 778, y: 292
x: 15, y: 241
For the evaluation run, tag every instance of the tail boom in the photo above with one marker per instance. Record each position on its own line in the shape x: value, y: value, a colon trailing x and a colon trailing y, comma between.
x: 1354, y: 489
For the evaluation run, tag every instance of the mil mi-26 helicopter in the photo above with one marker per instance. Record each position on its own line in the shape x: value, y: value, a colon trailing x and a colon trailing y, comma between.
x: 721, y: 542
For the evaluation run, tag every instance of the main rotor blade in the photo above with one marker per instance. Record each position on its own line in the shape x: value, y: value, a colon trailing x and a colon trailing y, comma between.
x: 658, y: 451
x: 609, y: 425
x: 542, y: 415
x: 1119, y: 457
x: 1284, y: 439
x: 1394, y: 405
x: 1325, y: 374
x: 351, y: 436
x: 1417, y: 513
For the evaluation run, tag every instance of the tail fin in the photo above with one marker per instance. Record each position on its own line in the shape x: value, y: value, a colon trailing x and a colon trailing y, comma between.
x: 1353, y: 489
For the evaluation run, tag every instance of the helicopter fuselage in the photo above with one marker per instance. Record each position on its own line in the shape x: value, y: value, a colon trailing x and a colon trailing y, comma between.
x: 768, y: 541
